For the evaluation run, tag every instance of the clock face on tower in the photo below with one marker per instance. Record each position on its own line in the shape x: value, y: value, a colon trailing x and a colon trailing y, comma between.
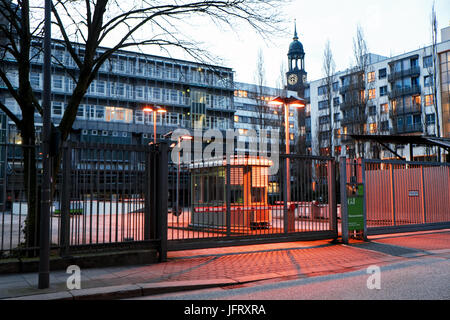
x: 293, y: 79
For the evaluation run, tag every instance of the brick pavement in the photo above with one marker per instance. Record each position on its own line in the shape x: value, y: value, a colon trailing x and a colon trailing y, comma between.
x: 237, y: 265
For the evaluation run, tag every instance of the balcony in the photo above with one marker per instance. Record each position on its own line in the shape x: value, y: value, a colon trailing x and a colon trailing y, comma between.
x: 353, y: 119
x: 407, y: 91
x: 415, y: 108
x: 412, y: 72
x: 407, y: 128
x: 351, y: 87
x: 352, y: 104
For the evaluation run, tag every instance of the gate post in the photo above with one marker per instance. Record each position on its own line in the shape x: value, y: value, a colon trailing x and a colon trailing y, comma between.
x: 149, y: 198
x: 65, y: 200
x: 344, y: 217
x: 228, y: 197
x: 161, y: 199
x: 332, y: 206
x: 363, y: 173
x: 284, y: 175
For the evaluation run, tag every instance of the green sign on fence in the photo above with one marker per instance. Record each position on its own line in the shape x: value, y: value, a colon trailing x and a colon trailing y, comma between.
x: 355, y: 207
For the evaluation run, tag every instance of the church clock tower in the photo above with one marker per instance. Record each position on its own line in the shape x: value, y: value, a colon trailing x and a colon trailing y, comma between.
x: 296, y: 76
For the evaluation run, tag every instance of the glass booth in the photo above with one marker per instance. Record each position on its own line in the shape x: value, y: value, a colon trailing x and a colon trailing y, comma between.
x: 249, y: 181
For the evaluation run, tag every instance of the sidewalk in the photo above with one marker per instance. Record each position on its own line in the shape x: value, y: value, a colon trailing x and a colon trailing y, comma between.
x: 232, y: 267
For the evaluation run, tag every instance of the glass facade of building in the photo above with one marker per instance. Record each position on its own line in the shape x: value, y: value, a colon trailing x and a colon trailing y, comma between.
x: 444, y: 67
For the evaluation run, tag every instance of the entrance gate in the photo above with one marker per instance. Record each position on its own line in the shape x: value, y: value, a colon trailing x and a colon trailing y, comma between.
x: 406, y: 196
x: 238, y: 203
x: 395, y: 196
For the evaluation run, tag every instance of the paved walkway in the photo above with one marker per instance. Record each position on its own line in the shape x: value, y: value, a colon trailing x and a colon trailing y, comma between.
x: 231, y: 267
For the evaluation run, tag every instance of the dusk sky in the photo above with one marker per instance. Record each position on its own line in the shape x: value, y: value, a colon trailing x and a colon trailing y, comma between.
x: 391, y: 27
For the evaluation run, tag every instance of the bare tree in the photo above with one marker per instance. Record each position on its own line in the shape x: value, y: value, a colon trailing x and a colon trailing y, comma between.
x: 91, y: 32
x: 433, y: 73
x: 329, y: 70
x: 358, y: 88
x: 260, y: 80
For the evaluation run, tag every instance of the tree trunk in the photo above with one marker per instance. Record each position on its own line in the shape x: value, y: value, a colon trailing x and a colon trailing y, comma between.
x: 30, y: 175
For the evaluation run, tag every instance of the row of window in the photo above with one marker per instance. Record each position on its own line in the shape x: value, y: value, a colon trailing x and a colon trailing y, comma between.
x: 323, y: 90
x: 134, y: 92
x: 142, y: 67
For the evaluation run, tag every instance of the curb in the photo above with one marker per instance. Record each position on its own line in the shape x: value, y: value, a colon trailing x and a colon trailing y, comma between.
x: 130, y: 291
x: 148, y: 289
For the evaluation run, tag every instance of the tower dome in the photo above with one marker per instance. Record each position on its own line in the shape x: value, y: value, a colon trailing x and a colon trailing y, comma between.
x: 296, y: 47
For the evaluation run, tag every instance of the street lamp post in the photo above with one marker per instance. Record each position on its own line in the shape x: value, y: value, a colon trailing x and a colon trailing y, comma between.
x: 44, y: 237
x: 154, y: 110
x: 286, y: 103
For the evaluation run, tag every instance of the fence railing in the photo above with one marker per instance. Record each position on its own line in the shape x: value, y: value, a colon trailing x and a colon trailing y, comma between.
x: 382, y: 196
x: 239, y: 200
x: 406, y: 193
x: 103, y: 195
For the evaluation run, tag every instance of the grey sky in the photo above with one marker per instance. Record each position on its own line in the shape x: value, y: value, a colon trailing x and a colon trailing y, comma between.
x: 391, y: 27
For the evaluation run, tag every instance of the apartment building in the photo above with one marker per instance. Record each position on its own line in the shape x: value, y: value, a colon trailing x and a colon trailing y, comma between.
x: 393, y: 96
x: 194, y: 95
x: 254, y: 112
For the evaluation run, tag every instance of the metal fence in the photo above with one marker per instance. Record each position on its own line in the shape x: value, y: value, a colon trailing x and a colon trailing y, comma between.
x: 406, y: 195
x: 103, y: 196
x: 238, y: 202
x: 14, y: 196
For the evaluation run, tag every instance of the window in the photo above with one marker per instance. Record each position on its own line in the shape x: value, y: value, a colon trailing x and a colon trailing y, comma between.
x: 157, y: 94
x: 430, y: 119
x: 335, y: 86
x: 236, y: 118
x: 323, y: 104
x: 372, y: 94
x: 383, y: 91
x: 118, y: 89
x: 385, y: 125
x: 69, y: 84
x: 337, y: 116
x: 100, y: 87
x: 139, y: 91
x: 371, y: 77
x: 337, y: 133
x: 428, y: 81
x: 427, y: 61
x: 384, y: 108
x: 120, y: 65
x: 57, y: 108
x: 80, y: 111
x: 414, y: 62
x: 372, y: 128
x: 35, y: 80
x: 322, y: 90
x: 118, y: 114
x: 372, y: 110
x: 382, y: 73
x: 57, y: 82
x: 324, y: 120
x: 429, y: 100
x: 336, y: 102
x: 241, y: 93
x: 138, y: 116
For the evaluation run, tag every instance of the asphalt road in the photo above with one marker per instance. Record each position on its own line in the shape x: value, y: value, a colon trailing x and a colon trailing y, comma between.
x: 424, y: 278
